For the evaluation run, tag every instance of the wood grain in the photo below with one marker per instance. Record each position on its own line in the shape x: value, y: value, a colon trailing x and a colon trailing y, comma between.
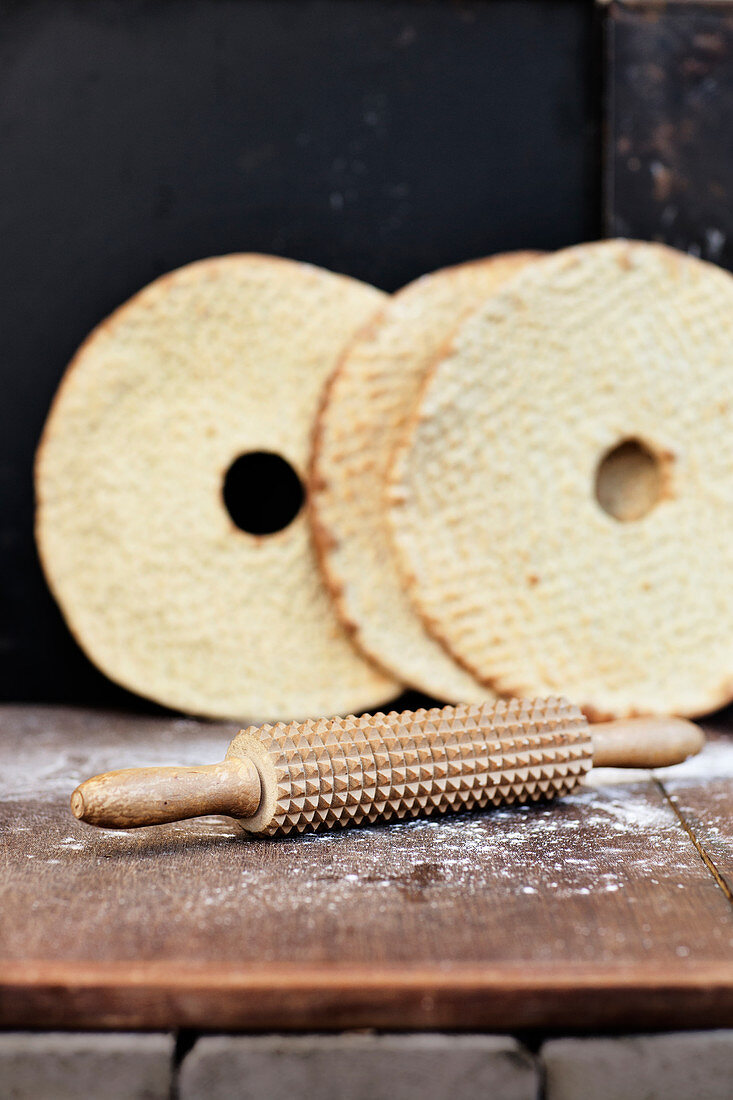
x: 597, y: 912
x: 158, y: 996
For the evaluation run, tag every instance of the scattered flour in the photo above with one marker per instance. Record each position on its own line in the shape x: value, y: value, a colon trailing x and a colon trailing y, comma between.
x: 714, y: 762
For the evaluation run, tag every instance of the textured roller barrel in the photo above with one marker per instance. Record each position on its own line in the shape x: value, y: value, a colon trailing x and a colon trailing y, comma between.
x: 331, y: 772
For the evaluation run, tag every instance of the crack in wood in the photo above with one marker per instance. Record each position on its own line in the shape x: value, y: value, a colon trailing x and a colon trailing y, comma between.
x: 704, y: 855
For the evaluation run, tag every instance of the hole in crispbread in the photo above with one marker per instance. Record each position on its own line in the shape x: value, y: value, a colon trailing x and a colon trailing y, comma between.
x: 262, y: 493
x: 629, y: 481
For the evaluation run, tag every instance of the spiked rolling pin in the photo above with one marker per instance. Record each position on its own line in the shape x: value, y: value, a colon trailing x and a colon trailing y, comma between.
x: 339, y: 771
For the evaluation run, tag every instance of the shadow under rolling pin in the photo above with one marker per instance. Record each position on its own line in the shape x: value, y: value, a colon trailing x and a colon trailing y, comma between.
x: 340, y: 771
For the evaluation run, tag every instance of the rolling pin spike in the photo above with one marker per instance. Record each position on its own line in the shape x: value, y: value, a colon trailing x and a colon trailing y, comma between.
x: 341, y: 771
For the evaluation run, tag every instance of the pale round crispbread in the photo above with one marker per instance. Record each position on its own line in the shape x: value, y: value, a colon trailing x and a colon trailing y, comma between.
x: 513, y: 561
x: 165, y: 594
x: 368, y: 402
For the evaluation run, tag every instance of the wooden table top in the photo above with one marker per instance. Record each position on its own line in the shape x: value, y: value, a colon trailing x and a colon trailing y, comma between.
x: 611, y: 909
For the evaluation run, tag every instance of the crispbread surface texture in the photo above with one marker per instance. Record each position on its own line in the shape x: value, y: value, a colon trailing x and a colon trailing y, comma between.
x: 512, y: 559
x: 367, y: 405
x: 165, y: 594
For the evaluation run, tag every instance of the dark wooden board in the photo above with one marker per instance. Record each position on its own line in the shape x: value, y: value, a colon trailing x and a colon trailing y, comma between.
x: 597, y: 912
x: 669, y: 139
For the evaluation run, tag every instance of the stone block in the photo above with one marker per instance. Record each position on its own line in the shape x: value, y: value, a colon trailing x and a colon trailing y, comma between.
x: 358, y: 1066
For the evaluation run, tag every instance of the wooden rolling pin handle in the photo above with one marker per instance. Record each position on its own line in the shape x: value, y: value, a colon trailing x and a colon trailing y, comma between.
x: 645, y: 742
x: 152, y: 796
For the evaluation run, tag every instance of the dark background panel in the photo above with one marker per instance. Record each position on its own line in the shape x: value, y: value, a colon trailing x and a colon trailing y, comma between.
x: 669, y: 174
x: 378, y: 139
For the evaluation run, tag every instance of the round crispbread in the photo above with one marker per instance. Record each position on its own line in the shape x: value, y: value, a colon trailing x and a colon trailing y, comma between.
x: 367, y: 404
x: 164, y: 593
x: 617, y: 351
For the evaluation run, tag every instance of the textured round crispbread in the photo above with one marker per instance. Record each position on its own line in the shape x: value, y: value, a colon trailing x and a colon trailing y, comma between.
x: 165, y: 594
x: 512, y: 559
x: 368, y: 402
